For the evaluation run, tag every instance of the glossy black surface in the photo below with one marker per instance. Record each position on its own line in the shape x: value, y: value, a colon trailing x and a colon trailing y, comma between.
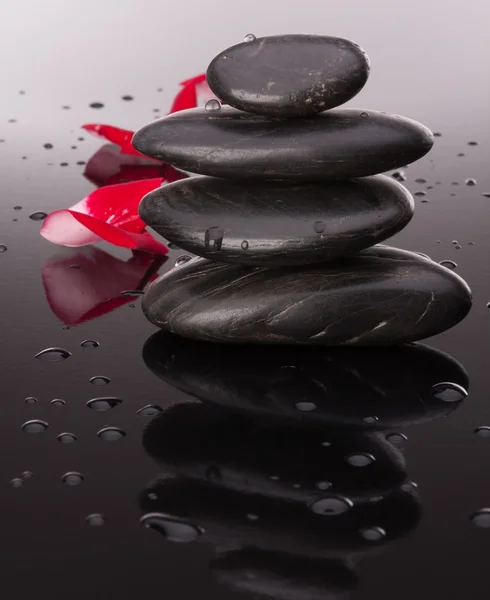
x: 288, y: 75
x: 337, y: 144
x: 429, y: 61
x: 381, y: 296
x: 277, y: 224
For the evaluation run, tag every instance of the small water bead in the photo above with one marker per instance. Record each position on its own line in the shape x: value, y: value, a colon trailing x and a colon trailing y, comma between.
x: 30, y: 400
x: 38, y: 216
x: 80, y: 139
x: 470, y: 181
x: 89, y: 344
x: 370, y: 419
x: 319, y: 227
x: 152, y: 496
x: 72, y: 478
x: 449, y: 264
x: 396, y: 438
x: 472, y: 143
x: 17, y: 207
x: 132, y: 305
x: 448, y: 392
x: 481, y: 518
x: 53, y: 355
x: 460, y: 153
x: 34, y: 426
x: 360, y: 459
x: 249, y: 38
x: 326, y: 444
x: 96, y: 105
x: 420, y: 180
x: 454, y: 182
x: 213, y: 238
x: 244, y: 245
x: 424, y: 255
x: 173, y: 529
x: 323, y: 485
x: 471, y: 243
x: 399, y: 176
x: 66, y: 438
x: 331, y: 505
x: 111, y: 434
x: 27, y: 474
x: 454, y: 242
x: 73, y: 147
x: 182, y: 260
x: 172, y: 246
x: 457, y: 247
x: 127, y: 98
x: 75, y: 267
x: 252, y: 517
x: 66, y: 327
x: 437, y: 134
x: 429, y: 187
x: 103, y: 404
x: 95, y: 520
x: 81, y: 162
x: 274, y: 478
x: 372, y: 534
x: 409, y: 486
x: 17, y: 482
x: 364, y: 114
x: 58, y: 402
x: 421, y: 193
x: 12, y: 120
x: 483, y: 431
x: 3, y: 248
x: 100, y: 380
x: 305, y: 406
x: 151, y: 410
x: 212, y: 105
x: 488, y: 305
x: 486, y: 194
x: 134, y: 293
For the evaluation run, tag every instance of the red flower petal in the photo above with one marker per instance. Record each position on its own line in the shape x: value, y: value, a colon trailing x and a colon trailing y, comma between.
x: 116, y: 135
x: 109, y: 213
x: 94, y: 288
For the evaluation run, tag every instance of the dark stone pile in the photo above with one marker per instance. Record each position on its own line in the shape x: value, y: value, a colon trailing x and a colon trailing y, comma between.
x: 290, y: 207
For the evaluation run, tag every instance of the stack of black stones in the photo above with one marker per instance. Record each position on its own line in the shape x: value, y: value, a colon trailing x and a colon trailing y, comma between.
x: 289, y: 209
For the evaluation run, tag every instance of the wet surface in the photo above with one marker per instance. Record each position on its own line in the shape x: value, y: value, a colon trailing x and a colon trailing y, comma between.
x: 342, y: 477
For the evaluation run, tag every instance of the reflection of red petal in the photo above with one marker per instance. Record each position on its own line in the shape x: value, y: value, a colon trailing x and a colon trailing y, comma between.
x: 110, y: 213
x: 116, y: 135
x: 93, y: 289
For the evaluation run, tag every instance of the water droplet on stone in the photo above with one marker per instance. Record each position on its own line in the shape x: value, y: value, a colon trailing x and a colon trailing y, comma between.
x: 323, y: 485
x: 3, y: 248
x: 66, y: 438
x: 244, y: 245
x: 72, y: 478
x: 360, y: 459
x: 17, y: 482
x: 252, y: 517
x: 111, y: 434
x: 396, y: 438
x: 420, y: 193
x: 96, y: 105
x: 27, y: 474
x: 305, y: 406
x: 364, y: 114
x: 151, y: 410
x: 30, y: 400
x: 103, y: 404
x: 58, y: 402
x: 95, y: 520
x: 470, y: 181
x: 213, y: 238
x: 449, y: 264
x: 326, y: 444
x: 212, y: 105
x: 35, y: 426
x: 182, y: 260
x: 331, y: 505
x: 319, y: 227
x: 399, y: 176
x: 370, y: 419
x: 38, y: 216
x: 53, y: 355
x: 372, y: 534
x: 448, y: 392
x: 481, y: 518
x: 173, y: 529
x: 100, y: 380
x: 409, y: 486
x: 249, y: 38
x: 89, y: 344
x: 483, y: 431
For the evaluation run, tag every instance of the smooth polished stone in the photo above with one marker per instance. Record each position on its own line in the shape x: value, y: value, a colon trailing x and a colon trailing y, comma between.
x: 289, y: 75
x: 336, y: 144
x: 275, y: 223
x: 383, y: 296
x: 355, y: 388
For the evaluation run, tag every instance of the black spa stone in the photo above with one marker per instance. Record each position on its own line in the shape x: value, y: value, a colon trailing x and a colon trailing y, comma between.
x: 382, y: 296
x: 274, y: 223
x: 289, y: 75
x: 336, y: 144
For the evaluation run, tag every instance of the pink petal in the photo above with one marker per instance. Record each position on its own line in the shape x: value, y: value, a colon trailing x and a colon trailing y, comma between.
x: 93, y: 289
x: 116, y: 135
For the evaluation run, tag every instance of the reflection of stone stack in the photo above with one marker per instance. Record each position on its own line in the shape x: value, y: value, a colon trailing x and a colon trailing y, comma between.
x: 283, y: 465
x: 291, y: 207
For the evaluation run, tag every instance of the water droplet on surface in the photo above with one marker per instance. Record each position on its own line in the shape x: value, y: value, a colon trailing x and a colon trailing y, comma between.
x: 48, y: 146
x: 100, y: 380
x: 319, y: 227
x: 152, y: 496
x: 3, y: 248
x: 399, y: 176
x: 323, y: 485
x: 17, y: 482
x: 305, y: 406
x: 96, y: 105
x: 483, y: 431
x: 470, y: 181
x: 472, y: 143
x: 127, y: 98
x: 38, y: 216
x: 252, y: 517
x: 173, y: 529
x: 481, y: 518
x: 35, y: 426
x: 66, y: 107
x: 460, y: 153
x: 151, y: 410
x: 331, y: 505
x: 360, y: 459
x: 364, y: 114
x: 182, y: 260
x: 244, y: 245
x: 58, y: 402
x: 72, y: 478
x: 420, y: 193
x: 370, y: 419
x: 30, y: 400
x: 111, y: 434
x: 27, y: 474
x: 396, y: 438
x: 63, y: 164
x: 448, y: 392
x: 213, y: 238
x: 437, y: 134
x: 409, y: 486
x: 449, y: 264
x: 81, y: 162
x: 66, y: 438
x: 249, y: 38
x: 454, y: 182
x: 457, y: 247
x: 89, y: 344
x: 53, y: 355
x: 372, y: 534
x: 132, y: 293
x: 420, y: 180
x: 326, y: 444
x: 95, y: 520
x: 17, y: 207
x: 103, y: 404
x: 212, y: 105
x: 486, y: 194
